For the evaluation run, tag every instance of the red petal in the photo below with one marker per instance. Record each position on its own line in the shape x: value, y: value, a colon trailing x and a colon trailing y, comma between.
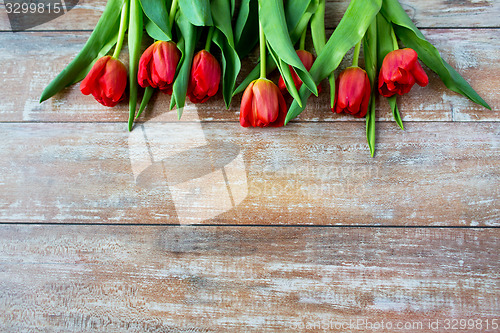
x: 366, y: 98
x: 265, y: 104
x: 352, y: 92
x: 143, y: 74
x: 306, y: 58
x: 205, y: 77
x: 246, y: 114
x: 90, y: 82
x: 164, y: 64
x: 420, y: 76
x: 400, y: 69
x: 282, y: 85
x: 114, y: 80
x: 280, y: 121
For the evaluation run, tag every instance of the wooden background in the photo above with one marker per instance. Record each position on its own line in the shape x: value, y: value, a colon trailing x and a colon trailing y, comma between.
x: 321, y: 236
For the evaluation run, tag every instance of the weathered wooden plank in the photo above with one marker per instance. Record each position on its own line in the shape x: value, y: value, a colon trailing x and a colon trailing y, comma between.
x: 306, y: 173
x: 226, y: 279
x: 425, y: 13
x: 435, y: 13
x: 29, y: 63
x: 83, y: 16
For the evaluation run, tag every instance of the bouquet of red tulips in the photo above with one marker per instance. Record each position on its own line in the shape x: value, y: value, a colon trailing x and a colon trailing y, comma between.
x: 180, y: 62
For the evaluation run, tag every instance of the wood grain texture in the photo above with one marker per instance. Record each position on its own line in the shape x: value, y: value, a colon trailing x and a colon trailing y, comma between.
x: 435, y: 13
x: 248, y: 279
x: 425, y: 13
x: 83, y: 16
x: 473, y: 53
x: 306, y: 173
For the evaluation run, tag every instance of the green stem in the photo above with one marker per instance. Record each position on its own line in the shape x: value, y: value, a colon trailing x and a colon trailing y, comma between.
x: 209, y: 38
x: 123, y: 28
x: 302, y: 43
x: 394, y: 39
x: 262, y: 52
x: 135, y: 31
x: 355, y: 58
x: 173, y: 11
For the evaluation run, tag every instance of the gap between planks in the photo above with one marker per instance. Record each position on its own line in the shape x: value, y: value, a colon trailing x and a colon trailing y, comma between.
x: 208, y: 225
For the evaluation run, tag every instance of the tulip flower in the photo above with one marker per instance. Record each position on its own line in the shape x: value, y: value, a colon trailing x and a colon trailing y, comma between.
x: 262, y: 105
x: 106, y: 81
x: 352, y: 92
x: 205, y: 77
x: 399, y: 72
x: 307, y: 59
x: 157, y: 66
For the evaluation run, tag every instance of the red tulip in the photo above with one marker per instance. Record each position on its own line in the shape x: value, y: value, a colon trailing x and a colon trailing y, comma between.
x: 262, y: 105
x: 205, y: 77
x: 106, y: 81
x: 157, y: 66
x: 307, y: 59
x: 352, y: 92
x: 400, y: 70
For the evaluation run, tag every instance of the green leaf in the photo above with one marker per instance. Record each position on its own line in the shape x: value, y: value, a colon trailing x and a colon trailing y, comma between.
x: 299, y: 26
x: 270, y: 66
x: 155, y: 32
x: 370, y: 55
x: 181, y: 46
x: 156, y: 12
x: 135, y: 31
x: 104, y: 51
x: 295, y: 11
x: 370, y: 125
x: 223, y: 37
x: 358, y: 16
x: 189, y: 33
x: 254, y: 74
x: 148, y: 92
x: 286, y: 74
x: 197, y: 12
x: 298, y: 14
x: 319, y: 40
x: 106, y: 28
x: 272, y: 18
x: 233, y: 7
x: 395, y: 111
x: 331, y: 81
x: 246, y: 27
x: 318, y: 33
x: 413, y: 38
x: 231, y: 66
x: 221, y: 15
x: 385, y: 44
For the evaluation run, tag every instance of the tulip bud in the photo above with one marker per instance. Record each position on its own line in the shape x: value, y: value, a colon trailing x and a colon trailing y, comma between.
x: 262, y: 105
x: 205, y: 77
x: 157, y: 66
x: 307, y: 59
x: 399, y: 72
x: 352, y: 92
x: 106, y: 81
